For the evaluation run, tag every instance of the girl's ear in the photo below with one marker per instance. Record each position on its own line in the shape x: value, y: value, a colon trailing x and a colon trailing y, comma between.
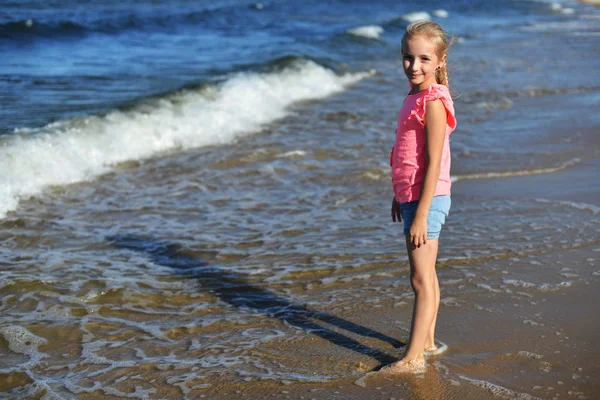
x: 442, y: 63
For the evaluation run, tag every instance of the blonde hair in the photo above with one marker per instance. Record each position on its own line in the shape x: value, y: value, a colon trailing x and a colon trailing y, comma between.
x: 433, y: 32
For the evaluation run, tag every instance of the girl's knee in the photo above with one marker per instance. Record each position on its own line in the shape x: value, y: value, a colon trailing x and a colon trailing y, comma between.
x: 420, y: 281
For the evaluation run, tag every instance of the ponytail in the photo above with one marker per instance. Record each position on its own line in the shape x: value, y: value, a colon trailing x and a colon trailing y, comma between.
x: 441, y: 76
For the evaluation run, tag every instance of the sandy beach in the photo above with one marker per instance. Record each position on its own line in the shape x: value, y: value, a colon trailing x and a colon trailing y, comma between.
x: 195, y: 199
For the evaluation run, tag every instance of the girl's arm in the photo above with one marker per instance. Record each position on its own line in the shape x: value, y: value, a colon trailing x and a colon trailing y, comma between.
x: 435, y: 131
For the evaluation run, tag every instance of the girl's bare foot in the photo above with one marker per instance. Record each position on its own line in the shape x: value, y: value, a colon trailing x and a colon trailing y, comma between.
x: 414, y: 366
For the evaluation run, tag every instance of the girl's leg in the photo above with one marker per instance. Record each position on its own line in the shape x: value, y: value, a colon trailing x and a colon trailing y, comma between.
x: 423, y: 281
x: 430, y: 341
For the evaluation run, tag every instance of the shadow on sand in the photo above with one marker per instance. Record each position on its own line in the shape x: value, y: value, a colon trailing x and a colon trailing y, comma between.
x: 233, y: 289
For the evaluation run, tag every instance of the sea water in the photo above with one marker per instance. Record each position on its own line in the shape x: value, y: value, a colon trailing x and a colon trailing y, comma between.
x: 190, y: 192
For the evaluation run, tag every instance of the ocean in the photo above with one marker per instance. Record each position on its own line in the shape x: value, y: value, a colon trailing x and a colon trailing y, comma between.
x: 194, y: 200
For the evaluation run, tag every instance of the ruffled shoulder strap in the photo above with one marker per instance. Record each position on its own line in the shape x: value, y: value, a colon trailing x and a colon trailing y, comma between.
x: 436, y: 92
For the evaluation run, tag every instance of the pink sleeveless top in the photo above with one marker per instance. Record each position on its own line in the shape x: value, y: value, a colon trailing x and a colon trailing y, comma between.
x: 409, y: 154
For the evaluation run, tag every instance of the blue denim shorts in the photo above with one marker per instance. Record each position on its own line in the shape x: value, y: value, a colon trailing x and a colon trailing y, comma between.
x: 440, y: 207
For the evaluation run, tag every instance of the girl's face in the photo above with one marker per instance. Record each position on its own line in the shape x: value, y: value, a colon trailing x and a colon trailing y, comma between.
x: 420, y: 61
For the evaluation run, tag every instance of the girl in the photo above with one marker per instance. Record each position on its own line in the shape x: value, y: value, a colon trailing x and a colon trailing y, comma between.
x: 420, y: 162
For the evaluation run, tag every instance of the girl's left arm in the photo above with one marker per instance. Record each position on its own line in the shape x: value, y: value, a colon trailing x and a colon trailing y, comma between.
x: 435, y: 132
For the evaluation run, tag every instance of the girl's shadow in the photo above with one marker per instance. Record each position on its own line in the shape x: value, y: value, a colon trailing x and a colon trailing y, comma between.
x: 233, y: 289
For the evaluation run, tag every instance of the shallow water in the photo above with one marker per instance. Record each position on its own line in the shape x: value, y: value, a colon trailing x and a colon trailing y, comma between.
x: 175, y: 248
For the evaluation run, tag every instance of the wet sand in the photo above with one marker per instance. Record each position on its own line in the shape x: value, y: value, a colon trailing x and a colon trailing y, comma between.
x: 527, y: 340
x: 556, y: 350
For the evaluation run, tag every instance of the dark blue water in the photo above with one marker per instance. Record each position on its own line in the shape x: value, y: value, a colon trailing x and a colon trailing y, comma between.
x: 65, y: 58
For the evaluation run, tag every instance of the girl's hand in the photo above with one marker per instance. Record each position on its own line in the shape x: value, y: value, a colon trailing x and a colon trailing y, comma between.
x: 418, y: 232
x: 396, y: 211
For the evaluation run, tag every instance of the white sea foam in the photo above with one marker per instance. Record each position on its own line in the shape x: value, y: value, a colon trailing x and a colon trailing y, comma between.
x: 139, y: 393
x: 294, y: 153
x: 356, y: 277
x: 557, y: 7
x: 529, y: 354
x: 49, y: 394
x: 518, y: 283
x: 20, y: 340
x: 440, y: 13
x: 416, y: 16
x: 329, y: 280
x: 450, y: 302
x: 544, y: 287
x: 580, y: 206
x: 54, y: 313
x: 488, y: 288
x: 152, y: 330
x: 80, y: 149
x: 75, y: 389
x: 496, y: 390
x: 503, y: 104
x: 506, y: 174
x: 368, y: 31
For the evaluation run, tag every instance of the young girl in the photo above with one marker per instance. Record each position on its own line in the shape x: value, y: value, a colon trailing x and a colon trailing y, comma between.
x: 420, y: 162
